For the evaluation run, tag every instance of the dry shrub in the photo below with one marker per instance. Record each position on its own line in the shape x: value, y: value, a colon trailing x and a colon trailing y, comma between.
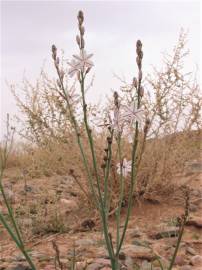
x: 175, y: 129
x: 172, y: 102
x: 163, y: 159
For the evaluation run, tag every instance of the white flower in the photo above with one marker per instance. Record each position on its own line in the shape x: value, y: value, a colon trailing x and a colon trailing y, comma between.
x: 117, y: 123
x: 130, y: 114
x: 74, y: 98
x: 81, y: 63
x: 75, y: 67
x: 84, y: 59
x: 125, y: 166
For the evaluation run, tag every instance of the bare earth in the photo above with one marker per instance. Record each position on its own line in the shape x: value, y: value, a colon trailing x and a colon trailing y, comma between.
x: 152, y: 228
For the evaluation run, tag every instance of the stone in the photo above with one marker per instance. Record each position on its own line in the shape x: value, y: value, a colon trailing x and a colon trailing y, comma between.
x: 196, y: 260
x: 19, y: 267
x: 186, y: 267
x: 134, y: 232
x: 193, y: 208
x: 94, y: 266
x: 163, y: 261
x: 190, y: 251
x: 146, y: 265
x: 193, y: 166
x: 68, y: 205
x: 129, y: 263
x: 141, y: 243
x: 138, y: 252
x: 19, y: 258
x: 180, y: 260
x: 49, y: 267
x: 27, y: 222
x: 167, y: 232
x: 9, y: 195
x: 85, y: 242
x: 196, y: 193
x: 103, y: 261
x: 195, y: 221
x: 81, y: 265
x: 99, y: 263
x: 197, y: 202
x: 28, y: 188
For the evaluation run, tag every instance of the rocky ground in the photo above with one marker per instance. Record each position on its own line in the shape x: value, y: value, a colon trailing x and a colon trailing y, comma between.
x: 152, y: 229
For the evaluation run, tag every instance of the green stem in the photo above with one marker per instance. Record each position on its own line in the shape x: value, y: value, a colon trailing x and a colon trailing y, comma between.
x: 10, y: 212
x: 85, y: 162
x: 118, y: 213
x: 106, y: 179
x: 15, y: 239
x: 133, y: 172
x: 101, y: 208
x: 177, y: 246
x: 132, y: 184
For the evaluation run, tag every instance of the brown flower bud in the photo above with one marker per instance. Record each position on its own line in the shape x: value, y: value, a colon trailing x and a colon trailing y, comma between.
x: 58, y: 83
x: 57, y: 61
x: 80, y: 16
x: 82, y: 43
x: 140, y: 54
x: 138, y: 61
x: 147, y: 124
x: 54, y: 52
x: 138, y: 46
x: 141, y: 91
x: 78, y: 75
x: 78, y: 40
x: 140, y: 75
x: 54, y: 49
x: 82, y: 30
x: 88, y: 70
x: 135, y: 82
x: 62, y: 74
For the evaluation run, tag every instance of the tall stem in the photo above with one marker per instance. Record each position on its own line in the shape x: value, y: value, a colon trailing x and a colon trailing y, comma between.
x: 90, y: 139
x: 118, y: 212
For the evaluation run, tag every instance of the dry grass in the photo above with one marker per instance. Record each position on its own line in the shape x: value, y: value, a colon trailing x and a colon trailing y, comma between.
x: 172, y: 104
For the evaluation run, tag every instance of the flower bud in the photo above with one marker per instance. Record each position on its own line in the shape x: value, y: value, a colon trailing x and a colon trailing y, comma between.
x: 138, y: 47
x: 82, y: 43
x: 58, y: 83
x: 78, y: 40
x: 141, y: 91
x: 54, y: 49
x: 138, y: 61
x: 62, y: 74
x: 54, y: 52
x: 140, y: 75
x: 147, y: 124
x: 78, y: 75
x: 80, y: 16
x: 88, y: 70
x: 82, y: 30
x: 57, y: 61
x: 135, y: 82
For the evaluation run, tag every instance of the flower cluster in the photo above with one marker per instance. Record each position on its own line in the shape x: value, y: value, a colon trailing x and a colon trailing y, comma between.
x: 124, y: 168
x: 81, y: 63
